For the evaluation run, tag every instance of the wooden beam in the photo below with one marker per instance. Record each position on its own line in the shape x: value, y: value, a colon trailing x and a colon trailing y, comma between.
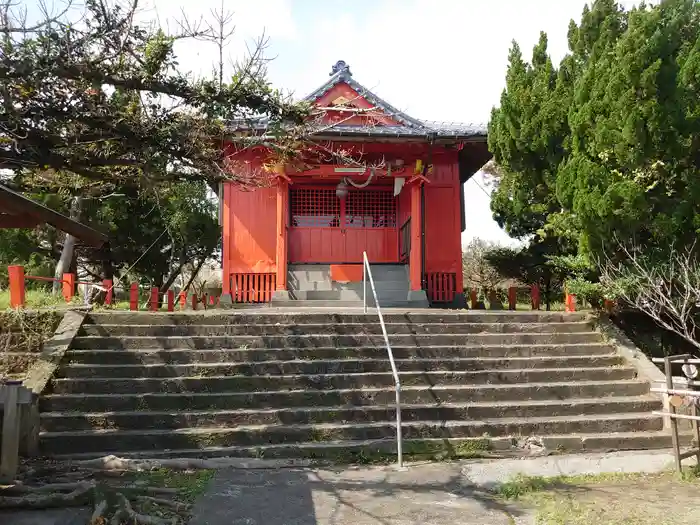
x: 18, y: 221
x: 19, y: 204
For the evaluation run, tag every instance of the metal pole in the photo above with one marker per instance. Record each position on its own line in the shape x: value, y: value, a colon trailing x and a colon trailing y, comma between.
x: 399, y: 439
x: 364, y: 282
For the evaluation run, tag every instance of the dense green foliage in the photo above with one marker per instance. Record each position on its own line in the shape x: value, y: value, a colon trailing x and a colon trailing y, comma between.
x: 604, y: 148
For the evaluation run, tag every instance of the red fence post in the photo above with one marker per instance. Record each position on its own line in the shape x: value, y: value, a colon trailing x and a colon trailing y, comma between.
x: 512, y: 297
x: 154, y: 299
x: 535, y: 297
x: 194, y: 301
x: 570, y: 303
x: 109, y: 290
x: 68, y: 286
x: 473, y: 298
x: 609, y: 306
x: 171, y: 300
x: 183, y: 300
x: 16, y: 275
x: 134, y: 297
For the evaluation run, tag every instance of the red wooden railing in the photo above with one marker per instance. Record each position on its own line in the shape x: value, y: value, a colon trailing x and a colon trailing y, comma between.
x: 441, y: 286
x: 253, y: 287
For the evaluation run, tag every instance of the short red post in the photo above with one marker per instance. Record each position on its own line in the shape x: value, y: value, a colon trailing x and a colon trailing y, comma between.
x: 183, y: 300
x: 16, y: 275
x: 193, y: 297
x: 68, y: 286
x: 204, y: 300
x: 473, y: 298
x: 609, y: 306
x: 535, y: 297
x: 171, y: 300
x: 512, y: 297
x: 153, y: 301
x: 212, y: 300
x: 570, y: 302
x: 109, y: 290
x: 134, y: 297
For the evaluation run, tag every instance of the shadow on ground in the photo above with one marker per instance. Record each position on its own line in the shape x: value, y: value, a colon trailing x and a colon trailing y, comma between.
x: 431, y: 494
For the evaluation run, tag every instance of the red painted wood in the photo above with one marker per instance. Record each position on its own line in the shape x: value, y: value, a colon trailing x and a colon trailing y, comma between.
x: 415, y: 261
x: 18, y: 221
x: 68, y: 286
x: 109, y: 290
x: 193, y: 301
x: 170, y: 295
x: 134, y: 296
x: 153, y: 299
x: 282, y: 233
x: 17, y: 286
x: 535, y: 296
x: 182, y: 299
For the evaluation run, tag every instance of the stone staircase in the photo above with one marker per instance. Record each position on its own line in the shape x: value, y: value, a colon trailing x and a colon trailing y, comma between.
x: 310, y: 285
x: 315, y: 385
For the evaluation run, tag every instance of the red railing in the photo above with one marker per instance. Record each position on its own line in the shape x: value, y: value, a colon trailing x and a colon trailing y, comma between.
x: 253, y: 287
x: 441, y: 287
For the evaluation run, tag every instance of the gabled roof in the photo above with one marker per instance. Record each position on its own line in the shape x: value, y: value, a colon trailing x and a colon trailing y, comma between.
x: 406, y: 126
x: 20, y: 212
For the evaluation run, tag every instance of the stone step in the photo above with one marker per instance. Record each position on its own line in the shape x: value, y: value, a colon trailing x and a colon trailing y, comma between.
x: 512, y: 393
x: 324, y: 317
x: 326, y: 285
x: 188, y: 355
x: 152, y: 419
x: 317, y: 366
x: 333, y: 381
x: 325, y: 340
x: 251, y: 435
x: 339, y: 329
x: 417, y: 449
x: 385, y: 296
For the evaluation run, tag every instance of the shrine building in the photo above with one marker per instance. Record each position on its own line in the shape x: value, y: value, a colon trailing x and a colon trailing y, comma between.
x: 379, y: 181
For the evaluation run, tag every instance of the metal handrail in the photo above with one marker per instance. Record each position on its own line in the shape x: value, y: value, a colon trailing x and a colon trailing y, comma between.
x: 367, y: 272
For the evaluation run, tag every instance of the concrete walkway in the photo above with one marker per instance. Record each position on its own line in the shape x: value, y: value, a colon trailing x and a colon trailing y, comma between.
x: 423, y: 494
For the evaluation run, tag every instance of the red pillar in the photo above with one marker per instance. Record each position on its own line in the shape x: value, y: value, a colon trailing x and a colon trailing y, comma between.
x: 109, y: 290
x: 183, y: 300
x: 171, y: 301
x: 281, y: 252
x: 194, y: 301
x: 16, y: 275
x: 68, y: 286
x: 535, y: 297
x: 134, y: 297
x: 225, y: 241
x: 512, y: 297
x: 154, y: 299
x: 416, y: 257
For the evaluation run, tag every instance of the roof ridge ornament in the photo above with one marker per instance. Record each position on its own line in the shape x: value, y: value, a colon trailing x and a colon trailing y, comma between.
x: 342, y: 68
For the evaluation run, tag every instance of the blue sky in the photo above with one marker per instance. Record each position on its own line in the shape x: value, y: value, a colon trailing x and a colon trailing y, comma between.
x: 434, y: 59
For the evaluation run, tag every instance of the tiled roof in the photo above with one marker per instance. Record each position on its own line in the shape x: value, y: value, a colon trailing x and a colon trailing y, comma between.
x: 409, y: 126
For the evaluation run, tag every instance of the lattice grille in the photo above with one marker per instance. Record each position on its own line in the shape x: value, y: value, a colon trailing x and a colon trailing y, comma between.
x: 314, y: 208
x: 441, y: 286
x: 370, y: 209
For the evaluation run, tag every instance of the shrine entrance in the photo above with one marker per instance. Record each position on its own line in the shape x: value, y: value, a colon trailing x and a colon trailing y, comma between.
x: 327, y: 229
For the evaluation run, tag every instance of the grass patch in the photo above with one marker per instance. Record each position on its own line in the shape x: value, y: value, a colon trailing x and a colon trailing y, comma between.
x: 190, y: 483
x: 608, y: 499
x: 34, y: 299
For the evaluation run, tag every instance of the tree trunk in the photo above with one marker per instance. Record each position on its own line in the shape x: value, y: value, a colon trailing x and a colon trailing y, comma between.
x: 194, y: 275
x: 68, y: 251
x: 547, y: 293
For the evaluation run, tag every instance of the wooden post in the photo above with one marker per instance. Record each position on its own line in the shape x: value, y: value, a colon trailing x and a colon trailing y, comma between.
x: 609, y: 306
x: 282, y: 218
x: 109, y: 290
x: 154, y: 299
x: 68, y: 286
x: 415, y: 261
x: 17, y: 291
x: 193, y: 298
x: 171, y: 300
x: 182, y: 300
x: 535, y: 297
x: 134, y: 297
x: 512, y: 297
x: 473, y: 298
x: 570, y: 302
x: 672, y: 410
x: 9, y: 454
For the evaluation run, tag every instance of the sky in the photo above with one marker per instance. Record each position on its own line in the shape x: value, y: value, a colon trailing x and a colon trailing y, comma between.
x: 434, y: 59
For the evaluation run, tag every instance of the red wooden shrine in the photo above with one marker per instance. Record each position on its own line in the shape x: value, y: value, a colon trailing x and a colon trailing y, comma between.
x: 397, y: 194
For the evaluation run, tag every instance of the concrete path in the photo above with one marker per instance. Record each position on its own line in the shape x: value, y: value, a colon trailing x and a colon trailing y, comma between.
x: 423, y: 494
